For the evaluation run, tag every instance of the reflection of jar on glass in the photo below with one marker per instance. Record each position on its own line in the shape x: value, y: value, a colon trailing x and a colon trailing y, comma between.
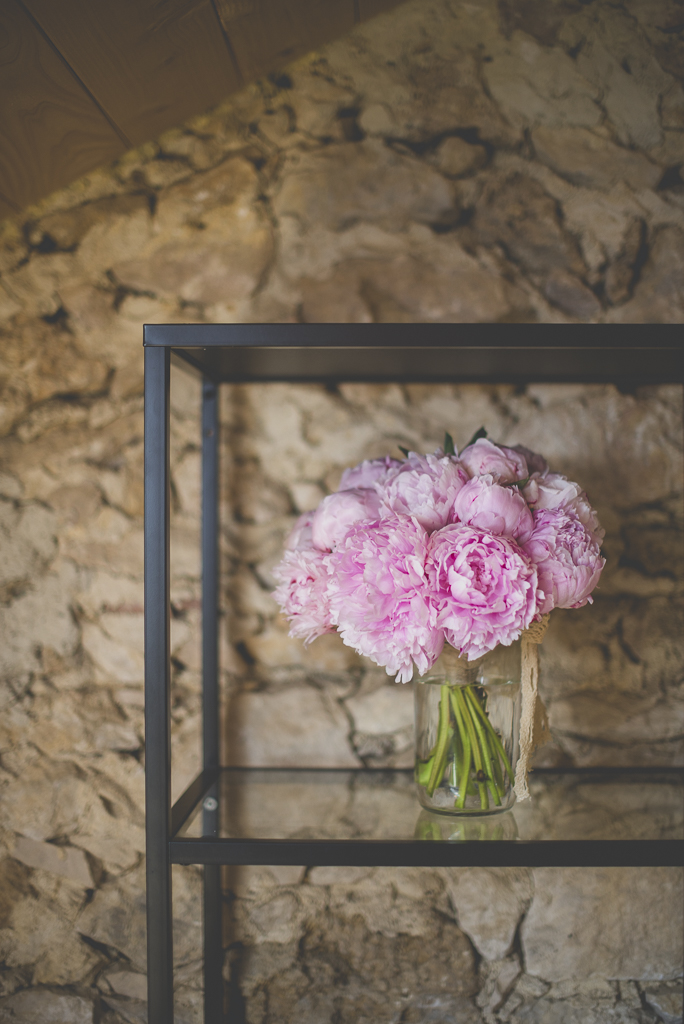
x: 468, y: 732
x: 464, y: 828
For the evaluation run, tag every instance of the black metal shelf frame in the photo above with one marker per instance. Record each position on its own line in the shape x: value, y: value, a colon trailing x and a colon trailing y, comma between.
x: 629, y: 356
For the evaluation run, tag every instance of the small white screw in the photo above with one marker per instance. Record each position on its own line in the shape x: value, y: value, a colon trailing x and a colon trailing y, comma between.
x: 210, y: 804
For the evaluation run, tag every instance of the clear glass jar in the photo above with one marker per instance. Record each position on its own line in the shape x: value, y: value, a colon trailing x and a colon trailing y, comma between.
x: 467, y: 732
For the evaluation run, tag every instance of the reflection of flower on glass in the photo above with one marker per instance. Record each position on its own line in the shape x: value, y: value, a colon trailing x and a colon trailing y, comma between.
x: 467, y: 550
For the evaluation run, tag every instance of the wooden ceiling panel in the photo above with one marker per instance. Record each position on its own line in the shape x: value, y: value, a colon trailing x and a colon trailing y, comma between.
x: 52, y: 131
x: 267, y: 34
x: 81, y: 81
x: 369, y: 8
x: 151, y: 64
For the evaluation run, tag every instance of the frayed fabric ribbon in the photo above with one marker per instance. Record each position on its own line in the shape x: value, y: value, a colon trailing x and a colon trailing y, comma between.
x: 534, y: 724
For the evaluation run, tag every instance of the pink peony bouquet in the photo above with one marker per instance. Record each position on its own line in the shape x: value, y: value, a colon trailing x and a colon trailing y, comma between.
x: 466, y: 549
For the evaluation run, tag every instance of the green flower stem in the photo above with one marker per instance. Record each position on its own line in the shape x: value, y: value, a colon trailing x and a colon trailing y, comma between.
x: 496, y: 767
x: 477, y: 757
x: 486, y: 754
x: 495, y: 739
x: 464, y: 774
x: 457, y: 758
x: 496, y: 781
x: 425, y: 770
x: 490, y: 747
x: 439, y: 763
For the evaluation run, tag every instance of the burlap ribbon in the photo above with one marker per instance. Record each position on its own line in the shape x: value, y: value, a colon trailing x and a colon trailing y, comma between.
x: 534, y: 725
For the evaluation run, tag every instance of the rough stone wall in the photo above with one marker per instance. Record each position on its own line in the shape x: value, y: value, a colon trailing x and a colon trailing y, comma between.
x: 444, y: 163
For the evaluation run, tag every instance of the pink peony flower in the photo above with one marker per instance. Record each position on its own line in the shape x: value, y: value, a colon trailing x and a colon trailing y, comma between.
x: 367, y: 473
x: 556, y: 491
x: 483, y: 588
x: 337, y: 512
x: 567, y: 557
x: 379, y: 599
x: 303, y: 593
x: 489, y: 506
x: 535, y: 463
x: 505, y: 464
x: 424, y: 487
x: 300, y: 538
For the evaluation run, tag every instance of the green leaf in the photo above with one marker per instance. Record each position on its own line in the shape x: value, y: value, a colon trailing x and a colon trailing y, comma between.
x: 476, y: 436
x: 519, y: 483
x: 449, y: 444
x: 404, y: 450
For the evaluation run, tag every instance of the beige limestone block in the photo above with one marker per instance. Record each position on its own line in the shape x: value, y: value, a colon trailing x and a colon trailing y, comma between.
x: 9, y: 305
x: 391, y: 902
x: 42, y: 940
x: 298, y: 727
x: 100, y: 329
x: 341, y: 184
x: 432, y: 86
x: 445, y: 285
x: 210, y: 241
x: 231, y: 182
x: 10, y: 486
x: 113, y: 241
x: 116, y: 916
x: 338, y: 875
x: 27, y: 541
x: 378, y: 119
x: 125, y: 628
x: 658, y: 297
x: 186, y: 476
x: 538, y: 85
x: 571, y: 295
x: 65, y: 228
x: 117, y: 661
x: 124, y: 556
x: 312, y: 250
x: 385, y: 710
x: 672, y: 107
x: 455, y: 157
x: 518, y: 213
x: 42, y: 357
x: 36, y: 286
x: 617, y: 718
x: 103, y: 591
x: 488, y: 904
x: 127, y: 983
x: 306, y: 496
x: 317, y: 117
x: 160, y: 173
x: 630, y: 100
x: 592, y: 161
x: 41, y: 1006
x: 614, y: 922
x: 281, y: 916
x: 666, y: 1000
x: 75, y: 503
x: 223, y: 263
x: 40, y: 618
x: 67, y: 861
x: 274, y: 648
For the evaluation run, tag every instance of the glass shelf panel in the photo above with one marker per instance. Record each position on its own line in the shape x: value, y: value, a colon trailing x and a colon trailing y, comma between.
x: 373, y: 804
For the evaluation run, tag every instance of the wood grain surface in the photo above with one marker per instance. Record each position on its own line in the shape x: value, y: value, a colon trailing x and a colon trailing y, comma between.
x: 52, y: 131
x: 267, y: 34
x: 151, y: 64
x: 369, y: 8
x: 83, y: 80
